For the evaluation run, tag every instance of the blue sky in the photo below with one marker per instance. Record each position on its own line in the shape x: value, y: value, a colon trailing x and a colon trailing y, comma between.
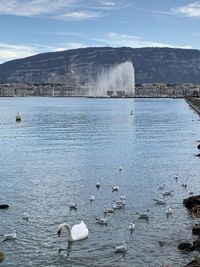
x: 30, y: 27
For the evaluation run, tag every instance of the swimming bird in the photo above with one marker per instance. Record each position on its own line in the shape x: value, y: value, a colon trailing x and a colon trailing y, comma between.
x: 117, y: 206
x: 168, y: 211
x: 143, y: 215
x: 18, y: 117
x: 167, y: 193
x: 131, y: 227
x: 131, y: 112
x: 7, y: 237
x: 76, y: 232
x: 161, y: 186
x: 120, y: 168
x: 25, y: 215
x: 92, y: 198
x: 191, y: 191
x: 121, y: 249
x: 115, y: 188
x: 184, y: 184
x: 72, y: 205
x: 176, y: 177
x: 102, y: 221
x: 123, y: 197
x: 98, y: 185
x: 159, y: 201
x: 108, y: 210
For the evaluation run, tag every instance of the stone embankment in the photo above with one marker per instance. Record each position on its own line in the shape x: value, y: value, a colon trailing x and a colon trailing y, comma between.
x: 194, y: 102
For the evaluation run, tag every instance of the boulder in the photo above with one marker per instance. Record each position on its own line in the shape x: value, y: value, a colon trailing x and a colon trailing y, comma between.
x: 196, y: 229
x: 2, y: 256
x: 194, y: 263
x: 185, y: 245
x: 191, y: 201
x: 198, y: 146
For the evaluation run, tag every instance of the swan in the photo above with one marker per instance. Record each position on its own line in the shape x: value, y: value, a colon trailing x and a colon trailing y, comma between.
x: 72, y: 205
x: 102, y: 221
x: 25, y: 215
x: 98, y: 185
x: 76, y: 232
x: 18, y: 117
x: 121, y: 249
x: 9, y: 236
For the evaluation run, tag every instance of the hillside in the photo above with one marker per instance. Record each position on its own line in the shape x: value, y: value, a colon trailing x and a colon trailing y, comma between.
x: 80, y: 66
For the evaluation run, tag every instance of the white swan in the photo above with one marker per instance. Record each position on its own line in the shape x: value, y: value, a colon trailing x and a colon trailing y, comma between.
x: 72, y: 205
x: 115, y: 188
x: 76, y: 232
x: 191, y: 191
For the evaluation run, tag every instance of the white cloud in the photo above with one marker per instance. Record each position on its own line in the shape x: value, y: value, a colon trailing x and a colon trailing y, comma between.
x: 12, y: 51
x: 190, y: 10
x: 80, y: 15
x: 58, y: 9
x: 118, y: 40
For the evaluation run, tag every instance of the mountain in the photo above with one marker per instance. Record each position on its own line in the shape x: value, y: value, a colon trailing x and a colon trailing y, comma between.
x: 79, y: 67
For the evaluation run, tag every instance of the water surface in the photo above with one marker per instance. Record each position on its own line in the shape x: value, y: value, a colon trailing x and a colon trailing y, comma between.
x: 63, y: 146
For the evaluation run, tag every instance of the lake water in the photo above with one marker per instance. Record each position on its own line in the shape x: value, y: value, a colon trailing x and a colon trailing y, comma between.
x: 63, y: 146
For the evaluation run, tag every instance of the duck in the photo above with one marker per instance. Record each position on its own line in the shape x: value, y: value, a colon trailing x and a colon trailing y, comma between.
x: 72, y: 205
x: 98, y: 185
x: 131, y: 227
x: 102, y: 221
x: 11, y: 236
x: 122, y: 248
x: 143, y: 215
x: 75, y: 232
x: 168, y: 211
x: 115, y: 188
x: 92, y: 198
x: 25, y: 215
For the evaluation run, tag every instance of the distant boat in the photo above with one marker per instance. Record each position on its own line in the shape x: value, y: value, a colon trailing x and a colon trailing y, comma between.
x: 18, y: 117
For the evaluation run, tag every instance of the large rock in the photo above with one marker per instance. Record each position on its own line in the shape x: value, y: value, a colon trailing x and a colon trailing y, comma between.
x: 194, y: 263
x: 4, y: 206
x: 185, y: 245
x: 190, y: 202
x: 196, y: 229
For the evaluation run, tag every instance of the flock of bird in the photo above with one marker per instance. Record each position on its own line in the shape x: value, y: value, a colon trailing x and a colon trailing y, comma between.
x: 80, y: 231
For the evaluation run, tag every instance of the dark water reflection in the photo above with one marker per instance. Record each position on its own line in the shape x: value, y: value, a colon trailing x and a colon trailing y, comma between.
x: 63, y: 146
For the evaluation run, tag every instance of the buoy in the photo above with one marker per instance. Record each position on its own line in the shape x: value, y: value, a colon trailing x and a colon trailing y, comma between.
x: 18, y: 117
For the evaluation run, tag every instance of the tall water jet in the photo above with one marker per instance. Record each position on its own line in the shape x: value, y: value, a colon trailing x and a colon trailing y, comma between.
x: 116, y: 81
